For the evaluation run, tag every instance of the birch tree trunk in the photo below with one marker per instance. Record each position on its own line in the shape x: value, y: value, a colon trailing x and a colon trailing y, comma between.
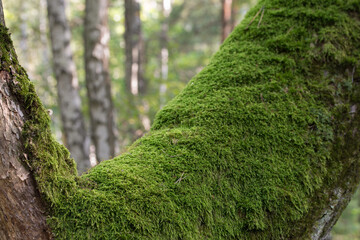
x: 76, y: 138
x: 262, y: 144
x: 96, y: 36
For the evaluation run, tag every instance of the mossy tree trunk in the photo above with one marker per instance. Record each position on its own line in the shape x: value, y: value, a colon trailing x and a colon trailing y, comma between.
x: 22, y: 211
x: 262, y: 144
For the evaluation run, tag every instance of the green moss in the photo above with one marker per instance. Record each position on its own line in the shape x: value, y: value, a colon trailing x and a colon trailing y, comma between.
x: 49, y: 161
x: 248, y: 150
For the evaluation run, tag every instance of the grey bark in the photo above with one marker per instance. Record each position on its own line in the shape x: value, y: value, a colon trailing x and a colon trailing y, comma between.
x: 134, y: 64
x: 45, y: 47
x: 135, y: 82
x: 72, y: 118
x: 22, y: 212
x: 96, y: 36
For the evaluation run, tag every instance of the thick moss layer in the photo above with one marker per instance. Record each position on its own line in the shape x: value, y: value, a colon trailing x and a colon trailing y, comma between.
x: 250, y: 149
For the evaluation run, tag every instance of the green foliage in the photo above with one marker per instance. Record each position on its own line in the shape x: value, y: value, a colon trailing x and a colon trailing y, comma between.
x: 348, y: 226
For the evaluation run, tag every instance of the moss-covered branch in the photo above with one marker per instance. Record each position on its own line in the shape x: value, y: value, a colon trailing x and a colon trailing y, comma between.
x: 262, y: 144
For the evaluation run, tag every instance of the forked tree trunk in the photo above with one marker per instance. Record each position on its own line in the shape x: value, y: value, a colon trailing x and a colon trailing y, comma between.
x: 262, y: 144
x: 96, y: 36
x: 75, y: 136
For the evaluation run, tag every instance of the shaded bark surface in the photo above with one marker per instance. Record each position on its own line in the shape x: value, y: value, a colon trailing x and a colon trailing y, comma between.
x: 75, y: 136
x: 22, y: 212
x: 96, y: 35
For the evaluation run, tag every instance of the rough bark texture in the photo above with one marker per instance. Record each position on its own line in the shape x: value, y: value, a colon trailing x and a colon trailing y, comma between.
x: 75, y: 136
x: 226, y: 19
x: 22, y: 212
x: 96, y: 36
x: 262, y: 144
x: 134, y: 49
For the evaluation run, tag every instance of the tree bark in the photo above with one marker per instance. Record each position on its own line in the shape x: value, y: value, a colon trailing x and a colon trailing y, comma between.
x: 46, y: 71
x: 134, y: 49
x: 226, y: 18
x: 262, y: 144
x: 164, y: 54
x: 22, y: 211
x: 2, y: 18
x: 96, y: 36
x: 75, y: 136
x: 134, y: 65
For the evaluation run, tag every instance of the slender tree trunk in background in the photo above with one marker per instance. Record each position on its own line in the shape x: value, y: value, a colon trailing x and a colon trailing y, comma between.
x: 24, y: 34
x: 134, y: 73
x: 96, y: 35
x: 45, y: 55
x: 21, y: 208
x: 164, y: 55
x: 2, y: 19
x: 72, y: 118
x: 226, y: 19
x: 134, y: 64
x: 236, y: 4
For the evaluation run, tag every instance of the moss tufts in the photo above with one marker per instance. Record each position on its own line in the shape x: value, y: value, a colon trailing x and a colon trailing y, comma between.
x: 250, y: 149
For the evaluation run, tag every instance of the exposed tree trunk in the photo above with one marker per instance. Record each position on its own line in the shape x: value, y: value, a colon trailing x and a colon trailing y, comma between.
x: 96, y: 36
x: 22, y: 212
x: 226, y: 18
x: 262, y: 144
x: 164, y: 54
x: 134, y: 49
x: 73, y: 124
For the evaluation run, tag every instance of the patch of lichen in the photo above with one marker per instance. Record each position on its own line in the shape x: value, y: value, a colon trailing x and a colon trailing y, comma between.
x: 48, y: 160
x: 248, y: 150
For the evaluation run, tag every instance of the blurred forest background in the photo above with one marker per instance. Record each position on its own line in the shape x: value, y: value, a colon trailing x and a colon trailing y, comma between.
x: 146, y: 53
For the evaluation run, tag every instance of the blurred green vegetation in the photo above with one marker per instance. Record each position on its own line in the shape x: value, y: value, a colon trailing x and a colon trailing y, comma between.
x: 194, y: 35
